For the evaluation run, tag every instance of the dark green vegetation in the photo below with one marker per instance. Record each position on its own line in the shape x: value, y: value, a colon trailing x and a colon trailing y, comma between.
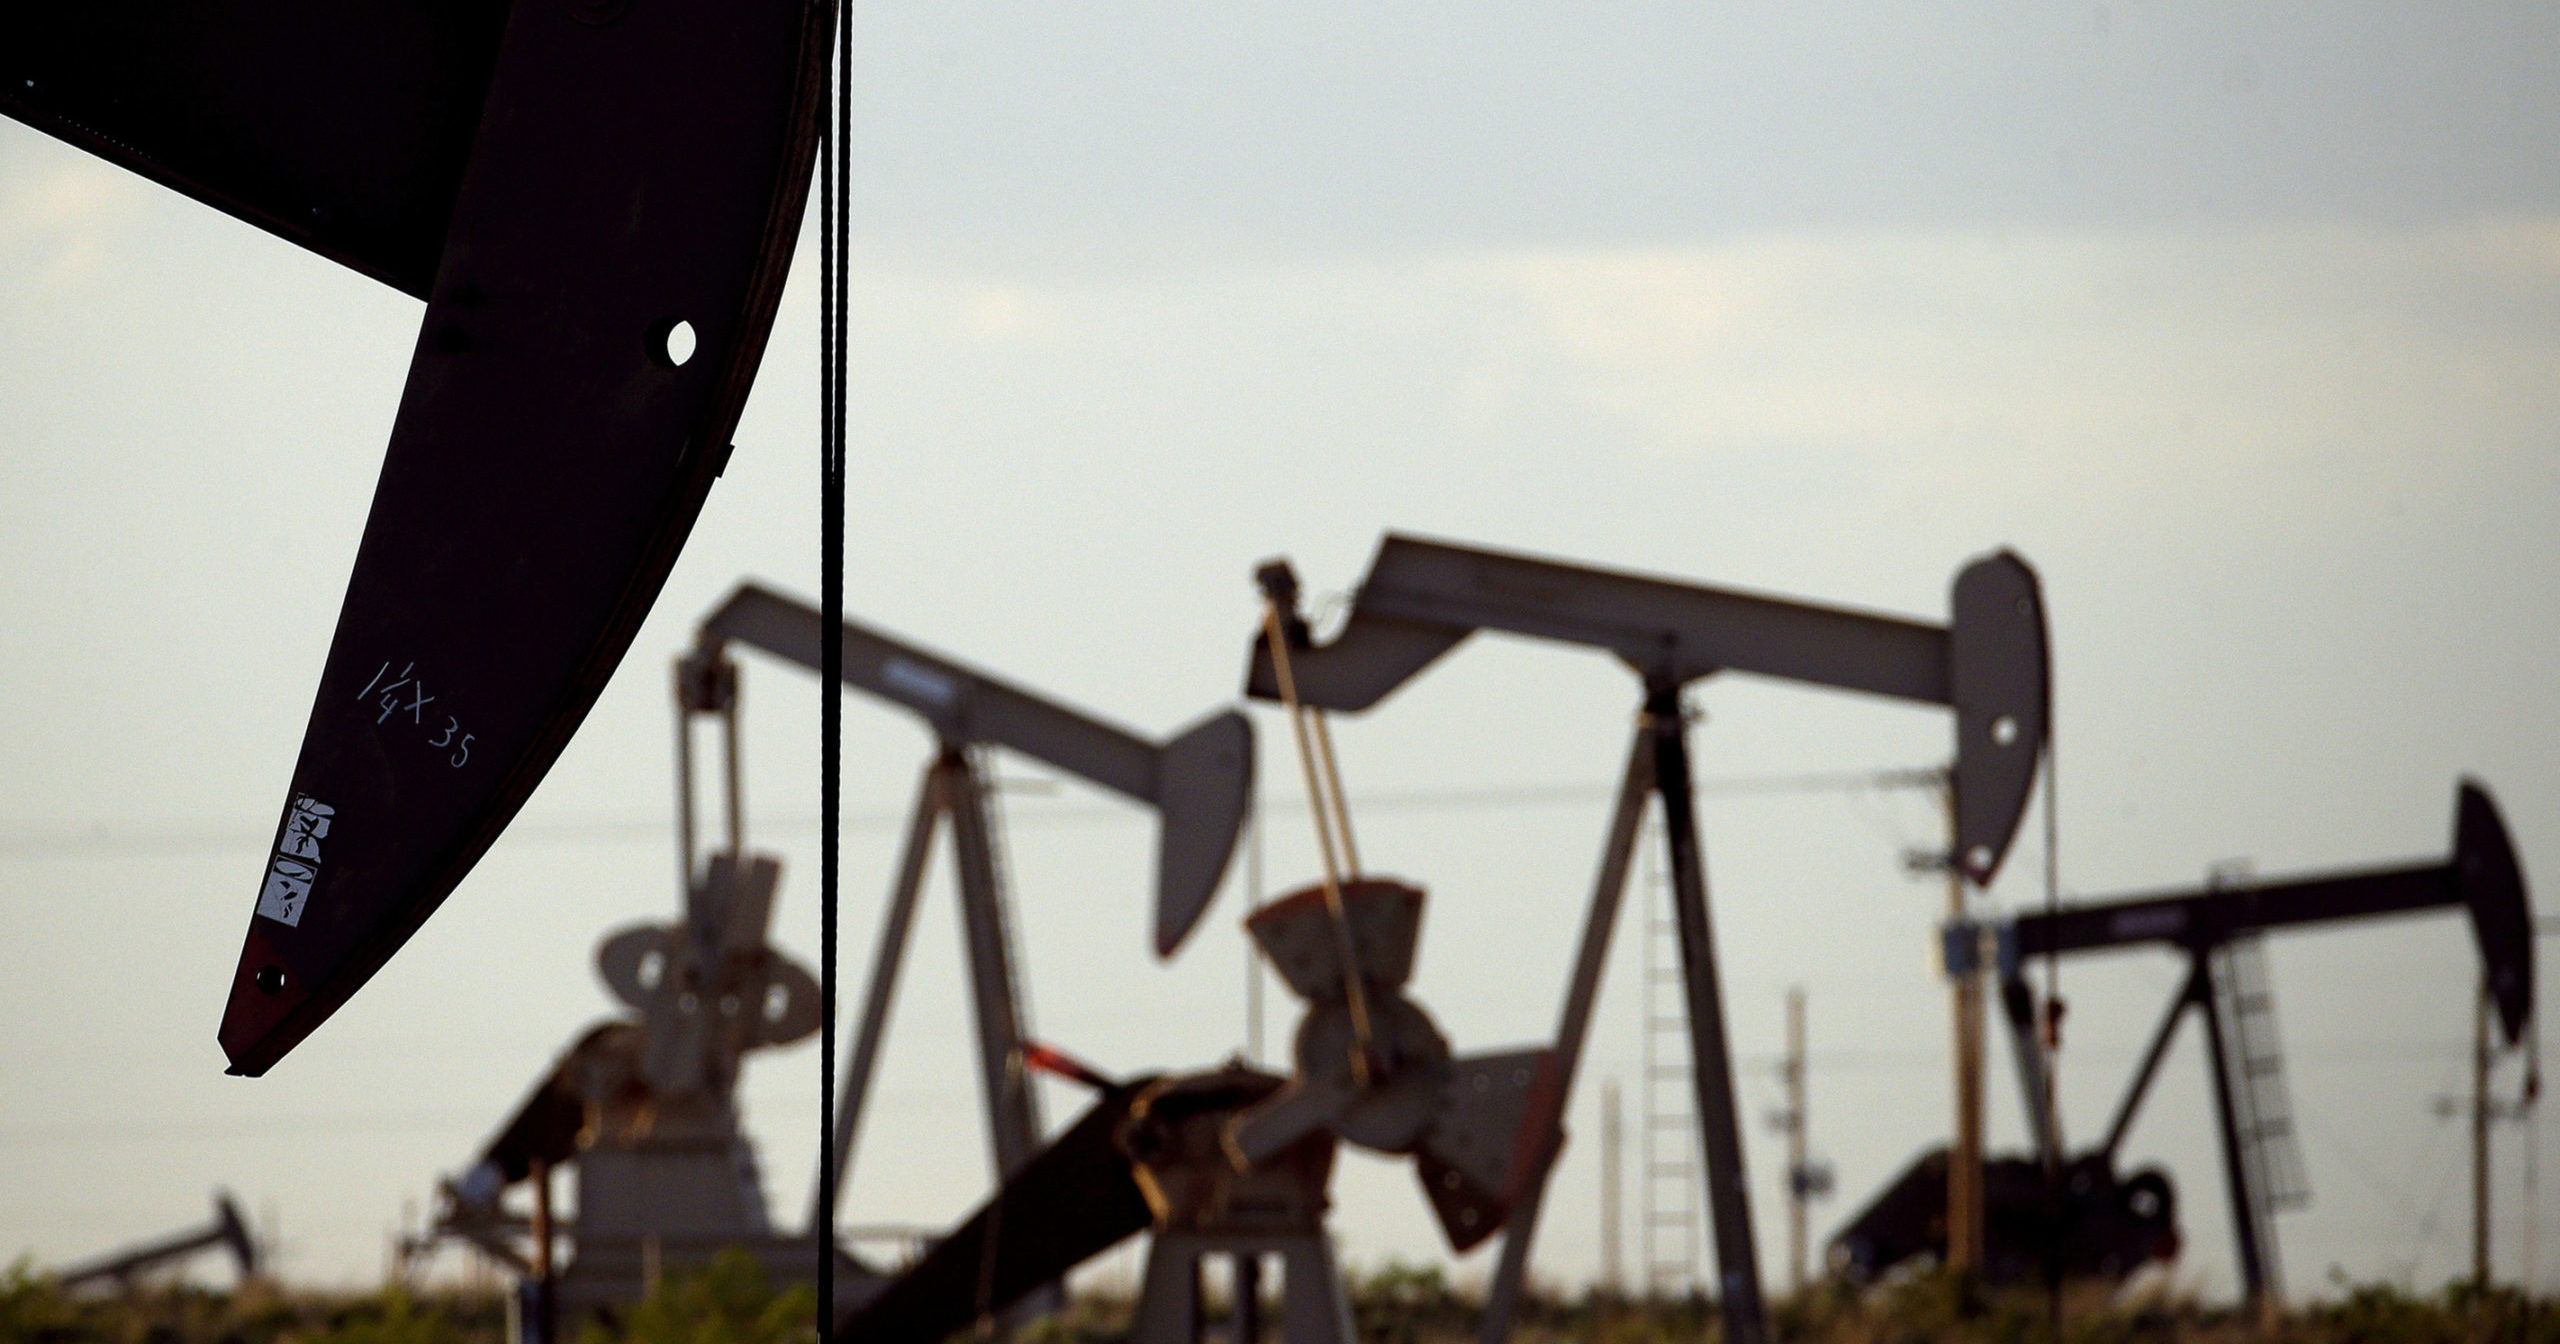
x: 731, y: 1302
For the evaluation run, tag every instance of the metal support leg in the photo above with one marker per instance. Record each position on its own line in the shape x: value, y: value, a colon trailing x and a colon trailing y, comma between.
x: 1313, y: 1307
x: 885, y: 962
x: 2245, y: 1224
x: 2188, y: 994
x: 1013, y: 1112
x: 1245, y: 1307
x: 1169, y: 1301
x: 1522, y: 1230
x: 1746, y: 1319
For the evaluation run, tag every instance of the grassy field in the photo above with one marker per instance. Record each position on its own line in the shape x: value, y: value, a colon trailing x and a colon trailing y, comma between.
x: 730, y: 1303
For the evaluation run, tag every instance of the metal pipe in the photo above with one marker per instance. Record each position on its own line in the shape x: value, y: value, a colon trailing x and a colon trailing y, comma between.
x: 1797, y: 1194
x: 2480, y: 1142
x: 1964, y: 1156
x: 737, y: 794
x: 684, y: 781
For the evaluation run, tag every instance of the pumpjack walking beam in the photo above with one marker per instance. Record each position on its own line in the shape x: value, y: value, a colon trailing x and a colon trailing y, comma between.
x: 1199, y: 782
x: 2480, y: 876
x: 1422, y: 598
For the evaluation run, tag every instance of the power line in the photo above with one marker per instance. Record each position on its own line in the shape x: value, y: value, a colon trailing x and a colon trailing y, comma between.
x: 376, y: 1122
x: 1752, y: 1065
x: 38, y: 841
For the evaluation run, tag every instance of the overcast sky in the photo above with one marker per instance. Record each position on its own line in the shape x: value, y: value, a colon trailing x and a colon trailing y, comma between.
x: 2241, y: 322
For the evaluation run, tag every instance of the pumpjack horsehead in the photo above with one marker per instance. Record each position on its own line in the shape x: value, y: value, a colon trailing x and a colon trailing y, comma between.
x: 598, y: 202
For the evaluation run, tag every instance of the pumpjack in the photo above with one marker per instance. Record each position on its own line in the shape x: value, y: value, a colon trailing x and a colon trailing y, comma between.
x: 1235, y: 1162
x: 645, y: 1109
x: 228, y: 1231
x: 598, y: 202
x: 2074, y: 1215
x: 1422, y: 598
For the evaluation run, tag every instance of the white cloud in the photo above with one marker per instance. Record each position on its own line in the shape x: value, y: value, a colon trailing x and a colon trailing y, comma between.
x: 2169, y: 354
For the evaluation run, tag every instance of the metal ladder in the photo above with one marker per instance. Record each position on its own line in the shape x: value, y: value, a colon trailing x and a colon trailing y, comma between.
x: 1671, y: 1181
x: 2261, y: 1105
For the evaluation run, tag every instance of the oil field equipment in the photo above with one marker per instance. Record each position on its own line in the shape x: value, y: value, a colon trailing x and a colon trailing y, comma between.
x: 228, y: 1231
x: 1422, y: 598
x: 1235, y: 1162
x: 646, y: 1109
x: 2098, y: 1223
x: 598, y: 203
x: 1199, y: 782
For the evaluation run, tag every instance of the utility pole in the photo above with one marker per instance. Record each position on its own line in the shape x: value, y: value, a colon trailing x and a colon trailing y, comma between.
x: 1797, y: 1192
x: 1611, y: 1285
x: 1964, y: 1156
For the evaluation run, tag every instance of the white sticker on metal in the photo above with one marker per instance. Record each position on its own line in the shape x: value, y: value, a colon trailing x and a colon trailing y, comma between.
x: 2148, y: 921
x: 297, y: 861
x: 920, y: 681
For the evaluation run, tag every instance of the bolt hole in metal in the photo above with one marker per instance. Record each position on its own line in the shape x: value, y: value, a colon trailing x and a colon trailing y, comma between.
x: 2004, y: 730
x: 672, y: 342
x: 270, y: 979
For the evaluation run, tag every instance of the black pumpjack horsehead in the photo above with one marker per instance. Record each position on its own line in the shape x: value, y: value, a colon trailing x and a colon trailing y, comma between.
x: 598, y: 201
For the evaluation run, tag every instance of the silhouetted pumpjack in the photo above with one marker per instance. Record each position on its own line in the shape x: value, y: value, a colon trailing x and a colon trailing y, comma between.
x: 2111, y: 1225
x: 228, y: 1230
x: 1422, y: 598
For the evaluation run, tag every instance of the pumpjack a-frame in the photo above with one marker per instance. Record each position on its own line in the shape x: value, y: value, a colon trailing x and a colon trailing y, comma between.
x: 1200, y: 783
x: 2217, y: 927
x: 1422, y: 598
